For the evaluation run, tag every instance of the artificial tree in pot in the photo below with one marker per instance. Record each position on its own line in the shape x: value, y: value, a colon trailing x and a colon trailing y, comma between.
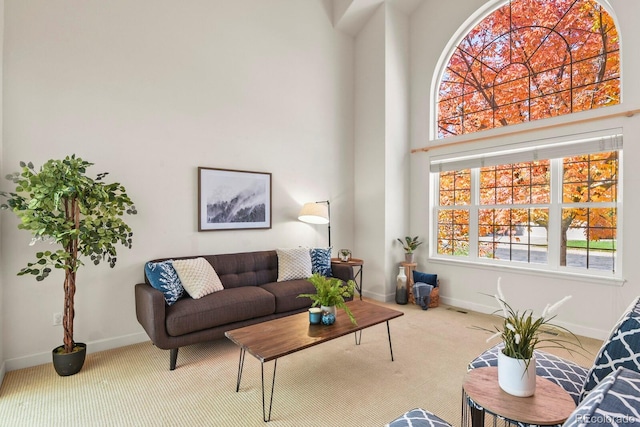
x: 62, y: 205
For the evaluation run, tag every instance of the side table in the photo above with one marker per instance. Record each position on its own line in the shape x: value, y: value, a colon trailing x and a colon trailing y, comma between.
x: 549, y: 405
x: 408, y: 271
x: 356, y: 266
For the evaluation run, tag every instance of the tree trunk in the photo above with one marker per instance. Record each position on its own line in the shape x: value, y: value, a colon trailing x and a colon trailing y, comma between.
x: 72, y: 210
x: 68, y: 313
x: 563, y: 247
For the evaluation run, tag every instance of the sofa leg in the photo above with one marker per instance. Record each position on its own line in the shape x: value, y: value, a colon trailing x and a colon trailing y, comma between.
x: 173, y: 359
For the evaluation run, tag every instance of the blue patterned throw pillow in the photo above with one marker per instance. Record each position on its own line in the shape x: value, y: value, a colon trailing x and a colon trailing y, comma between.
x: 613, y: 402
x: 321, y: 261
x: 621, y: 349
x: 164, y: 278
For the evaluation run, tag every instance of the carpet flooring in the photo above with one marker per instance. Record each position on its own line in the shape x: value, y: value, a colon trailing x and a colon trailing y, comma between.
x: 336, y: 383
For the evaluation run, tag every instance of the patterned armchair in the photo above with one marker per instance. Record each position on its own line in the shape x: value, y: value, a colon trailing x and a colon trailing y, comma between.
x: 606, y: 393
x: 622, y: 348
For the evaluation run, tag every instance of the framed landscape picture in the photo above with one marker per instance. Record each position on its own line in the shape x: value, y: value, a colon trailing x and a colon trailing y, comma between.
x: 233, y: 199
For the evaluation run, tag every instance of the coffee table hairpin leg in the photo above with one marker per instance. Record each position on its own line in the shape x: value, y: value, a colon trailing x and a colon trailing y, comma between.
x: 358, y: 336
x: 273, y: 383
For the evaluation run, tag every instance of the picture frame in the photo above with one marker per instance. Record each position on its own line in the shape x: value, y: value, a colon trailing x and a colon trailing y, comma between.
x: 231, y: 199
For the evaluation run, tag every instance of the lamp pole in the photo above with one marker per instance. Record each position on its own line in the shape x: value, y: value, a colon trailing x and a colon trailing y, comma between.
x: 329, y: 215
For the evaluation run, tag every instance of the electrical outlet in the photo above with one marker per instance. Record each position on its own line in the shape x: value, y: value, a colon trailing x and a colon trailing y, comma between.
x: 57, y: 319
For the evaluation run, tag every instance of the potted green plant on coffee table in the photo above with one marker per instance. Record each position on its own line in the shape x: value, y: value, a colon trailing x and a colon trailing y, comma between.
x: 331, y: 293
x: 60, y: 204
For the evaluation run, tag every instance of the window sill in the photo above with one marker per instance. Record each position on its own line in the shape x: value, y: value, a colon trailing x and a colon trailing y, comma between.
x: 591, y: 277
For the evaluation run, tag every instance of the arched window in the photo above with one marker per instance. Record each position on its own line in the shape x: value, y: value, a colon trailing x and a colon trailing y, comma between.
x: 529, y: 60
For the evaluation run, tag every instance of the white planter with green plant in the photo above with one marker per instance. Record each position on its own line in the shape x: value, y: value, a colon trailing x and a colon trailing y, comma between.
x: 331, y: 292
x: 522, y: 334
x: 61, y: 205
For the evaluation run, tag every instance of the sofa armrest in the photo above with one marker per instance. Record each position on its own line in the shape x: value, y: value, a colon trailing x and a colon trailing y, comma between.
x: 151, y: 313
x: 342, y: 271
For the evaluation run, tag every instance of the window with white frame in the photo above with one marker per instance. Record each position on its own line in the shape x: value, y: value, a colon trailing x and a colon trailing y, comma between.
x: 552, y: 207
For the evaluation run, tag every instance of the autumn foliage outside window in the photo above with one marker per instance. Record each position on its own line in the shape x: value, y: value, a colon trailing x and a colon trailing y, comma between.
x: 530, y: 60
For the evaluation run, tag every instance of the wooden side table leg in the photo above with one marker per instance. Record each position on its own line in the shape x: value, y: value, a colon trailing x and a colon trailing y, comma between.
x: 408, y: 271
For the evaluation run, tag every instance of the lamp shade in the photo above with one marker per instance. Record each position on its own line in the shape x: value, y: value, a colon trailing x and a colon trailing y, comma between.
x: 314, y: 213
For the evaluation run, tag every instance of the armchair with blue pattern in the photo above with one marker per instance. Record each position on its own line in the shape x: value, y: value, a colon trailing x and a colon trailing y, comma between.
x: 618, y: 360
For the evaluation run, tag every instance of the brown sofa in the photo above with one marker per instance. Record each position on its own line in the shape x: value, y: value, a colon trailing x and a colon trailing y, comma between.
x: 251, y: 295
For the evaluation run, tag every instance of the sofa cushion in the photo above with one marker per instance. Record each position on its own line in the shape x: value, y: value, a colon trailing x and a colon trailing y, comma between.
x: 622, y: 348
x: 219, y: 308
x: 163, y: 277
x: 246, y: 268
x: 614, y: 401
x: 197, y: 276
x: 286, y: 294
x: 293, y: 263
x: 321, y: 261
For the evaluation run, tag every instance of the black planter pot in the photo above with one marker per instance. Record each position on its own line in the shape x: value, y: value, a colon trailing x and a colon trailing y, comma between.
x: 67, y: 364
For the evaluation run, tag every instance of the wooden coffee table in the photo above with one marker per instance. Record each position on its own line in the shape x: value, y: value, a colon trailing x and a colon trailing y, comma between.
x: 279, y: 337
x: 549, y: 405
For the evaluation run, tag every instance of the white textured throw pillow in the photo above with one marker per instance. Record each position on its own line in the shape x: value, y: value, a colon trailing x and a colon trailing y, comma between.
x: 197, y: 276
x: 293, y: 264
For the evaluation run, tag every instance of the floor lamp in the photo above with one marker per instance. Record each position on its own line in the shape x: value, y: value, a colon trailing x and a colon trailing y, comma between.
x: 317, y: 213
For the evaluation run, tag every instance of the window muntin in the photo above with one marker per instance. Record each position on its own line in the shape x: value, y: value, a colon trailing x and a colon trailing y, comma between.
x: 513, y: 234
x: 453, y: 232
x: 589, y: 212
x: 515, y: 207
x: 519, y: 183
x: 455, y: 188
x: 527, y: 61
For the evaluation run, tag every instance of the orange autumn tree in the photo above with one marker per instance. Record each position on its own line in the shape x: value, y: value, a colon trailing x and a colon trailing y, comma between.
x: 530, y: 60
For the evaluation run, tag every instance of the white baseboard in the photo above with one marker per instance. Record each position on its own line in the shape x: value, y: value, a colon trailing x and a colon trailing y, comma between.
x: 576, y: 329
x: 2, y: 372
x: 92, y: 347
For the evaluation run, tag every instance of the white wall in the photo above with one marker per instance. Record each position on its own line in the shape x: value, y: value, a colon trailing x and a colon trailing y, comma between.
x: 382, y: 146
x: 397, y: 183
x: 150, y: 90
x: 596, y: 305
x: 369, y: 152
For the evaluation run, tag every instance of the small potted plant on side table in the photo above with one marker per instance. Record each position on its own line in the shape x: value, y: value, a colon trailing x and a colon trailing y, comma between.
x: 330, y: 294
x: 409, y: 244
x: 344, y: 255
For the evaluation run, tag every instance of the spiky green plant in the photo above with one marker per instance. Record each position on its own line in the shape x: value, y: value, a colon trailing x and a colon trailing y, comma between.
x: 331, y: 291
x: 522, y: 333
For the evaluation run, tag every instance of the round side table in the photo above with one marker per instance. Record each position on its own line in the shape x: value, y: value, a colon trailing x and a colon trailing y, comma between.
x: 550, y: 404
